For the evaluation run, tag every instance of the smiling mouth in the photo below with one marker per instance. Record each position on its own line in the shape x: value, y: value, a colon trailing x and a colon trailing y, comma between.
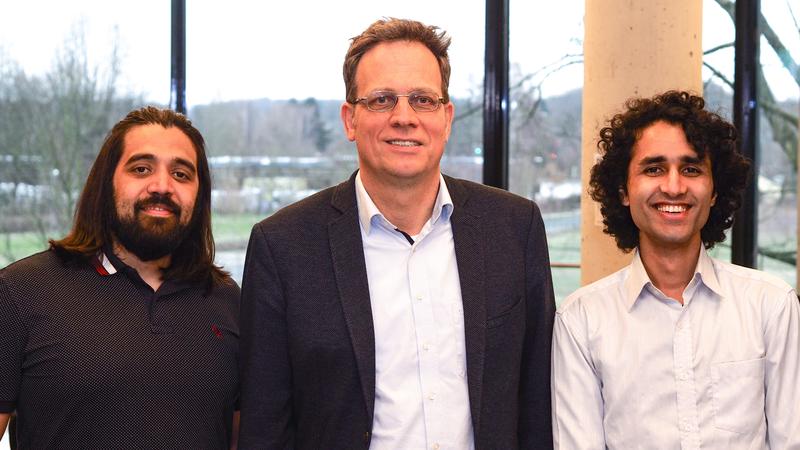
x: 403, y: 143
x: 158, y: 210
x: 672, y: 208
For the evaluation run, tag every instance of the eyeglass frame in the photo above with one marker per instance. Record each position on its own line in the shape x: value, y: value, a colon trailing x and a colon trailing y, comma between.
x: 439, y: 100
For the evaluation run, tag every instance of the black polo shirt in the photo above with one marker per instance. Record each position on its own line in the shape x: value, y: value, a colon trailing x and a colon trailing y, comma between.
x: 91, y: 357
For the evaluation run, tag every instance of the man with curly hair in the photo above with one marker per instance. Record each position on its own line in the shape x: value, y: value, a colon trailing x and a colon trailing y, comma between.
x: 676, y: 350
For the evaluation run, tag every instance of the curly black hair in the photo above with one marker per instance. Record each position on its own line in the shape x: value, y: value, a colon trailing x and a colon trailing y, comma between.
x: 707, y: 133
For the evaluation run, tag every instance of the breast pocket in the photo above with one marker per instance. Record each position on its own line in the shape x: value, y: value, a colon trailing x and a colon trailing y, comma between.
x: 738, y: 395
x: 509, y: 313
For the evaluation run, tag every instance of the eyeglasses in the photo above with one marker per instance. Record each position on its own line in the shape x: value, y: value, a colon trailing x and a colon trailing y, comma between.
x: 383, y: 101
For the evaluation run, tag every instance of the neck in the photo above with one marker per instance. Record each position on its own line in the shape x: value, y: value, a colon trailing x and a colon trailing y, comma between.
x: 407, y: 205
x: 149, y: 271
x: 670, y: 269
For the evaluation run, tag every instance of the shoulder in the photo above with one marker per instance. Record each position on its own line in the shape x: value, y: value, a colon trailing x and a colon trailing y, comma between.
x: 744, y: 282
x: 42, y: 277
x: 595, y: 299
x: 34, y: 267
x: 496, y: 207
x: 227, y: 288
x: 482, y: 195
x: 313, y: 210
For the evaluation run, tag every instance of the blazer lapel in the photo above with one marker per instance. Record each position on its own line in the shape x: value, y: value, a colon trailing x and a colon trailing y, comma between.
x: 351, y: 278
x: 467, y: 237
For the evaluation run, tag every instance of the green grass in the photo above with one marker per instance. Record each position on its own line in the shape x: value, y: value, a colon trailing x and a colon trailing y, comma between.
x: 14, y: 246
x: 232, y: 231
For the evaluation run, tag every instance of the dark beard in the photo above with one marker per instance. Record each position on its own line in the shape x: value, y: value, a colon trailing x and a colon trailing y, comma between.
x: 150, y: 238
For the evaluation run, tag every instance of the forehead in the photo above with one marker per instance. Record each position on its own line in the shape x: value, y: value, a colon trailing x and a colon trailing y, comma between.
x: 662, y: 139
x: 399, y: 65
x: 163, y: 143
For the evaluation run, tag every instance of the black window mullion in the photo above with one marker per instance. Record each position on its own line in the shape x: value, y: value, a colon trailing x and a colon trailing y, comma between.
x: 177, y: 100
x: 495, y: 95
x: 744, y: 242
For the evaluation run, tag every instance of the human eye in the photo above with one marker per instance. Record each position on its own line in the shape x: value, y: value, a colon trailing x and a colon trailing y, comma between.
x: 181, y: 175
x: 140, y: 170
x: 424, y: 100
x: 381, y: 99
x: 692, y: 171
x: 652, y: 171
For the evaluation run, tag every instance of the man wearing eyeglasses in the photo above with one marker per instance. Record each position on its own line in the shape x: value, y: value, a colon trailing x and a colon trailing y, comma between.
x: 401, y: 309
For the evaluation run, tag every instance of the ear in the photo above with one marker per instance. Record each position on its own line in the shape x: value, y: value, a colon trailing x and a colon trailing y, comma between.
x: 714, y: 199
x: 449, y: 113
x: 623, y: 197
x: 348, y: 115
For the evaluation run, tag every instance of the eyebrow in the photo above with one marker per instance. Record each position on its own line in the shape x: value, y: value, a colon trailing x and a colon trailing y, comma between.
x: 662, y: 159
x: 151, y: 157
x: 394, y: 91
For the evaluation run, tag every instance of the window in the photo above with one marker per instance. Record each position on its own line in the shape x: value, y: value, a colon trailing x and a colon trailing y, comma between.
x: 546, y: 80
x: 778, y: 92
x: 265, y: 90
x: 66, y: 76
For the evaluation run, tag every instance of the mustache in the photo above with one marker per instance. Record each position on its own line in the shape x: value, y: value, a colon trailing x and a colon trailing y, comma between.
x: 160, y: 200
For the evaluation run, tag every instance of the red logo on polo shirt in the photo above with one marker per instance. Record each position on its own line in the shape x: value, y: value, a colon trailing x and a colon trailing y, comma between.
x: 216, y: 331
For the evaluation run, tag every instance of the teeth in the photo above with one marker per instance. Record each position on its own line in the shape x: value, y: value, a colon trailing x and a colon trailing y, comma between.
x: 404, y: 143
x: 672, y: 208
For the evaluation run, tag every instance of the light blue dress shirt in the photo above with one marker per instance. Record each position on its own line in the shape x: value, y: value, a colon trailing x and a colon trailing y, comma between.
x: 634, y: 369
x: 421, y: 394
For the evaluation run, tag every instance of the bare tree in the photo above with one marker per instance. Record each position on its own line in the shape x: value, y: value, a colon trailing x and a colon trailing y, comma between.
x: 52, y: 127
x: 782, y: 122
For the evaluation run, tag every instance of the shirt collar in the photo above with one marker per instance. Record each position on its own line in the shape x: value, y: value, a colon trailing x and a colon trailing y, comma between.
x: 368, y: 211
x: 107, y: 263
x: 103, y: 265
x: 638, y: 279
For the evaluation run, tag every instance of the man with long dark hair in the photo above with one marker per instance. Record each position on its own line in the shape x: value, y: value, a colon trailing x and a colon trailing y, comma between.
x: 124, y: 333
x: 677, y: 350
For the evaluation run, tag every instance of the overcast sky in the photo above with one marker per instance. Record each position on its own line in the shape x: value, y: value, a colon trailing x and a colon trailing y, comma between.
x: 242, y: 49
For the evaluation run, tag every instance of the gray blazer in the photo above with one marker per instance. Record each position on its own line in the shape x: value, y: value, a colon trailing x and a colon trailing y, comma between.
x: 307, y: 345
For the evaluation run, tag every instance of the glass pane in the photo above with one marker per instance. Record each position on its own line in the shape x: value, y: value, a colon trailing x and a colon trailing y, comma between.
x: 779, y: 101
x: 67, y: 75
x: 719, y: 34
x: 265, y: 90
x: 778, y: 121
x: 545, y: 125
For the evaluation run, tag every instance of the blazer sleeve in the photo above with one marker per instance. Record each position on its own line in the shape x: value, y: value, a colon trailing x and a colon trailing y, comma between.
x: 265, y: 371
x: 535, y: 424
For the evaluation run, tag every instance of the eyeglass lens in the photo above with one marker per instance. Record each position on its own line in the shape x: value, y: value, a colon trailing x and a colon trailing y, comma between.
x: 386, y: 101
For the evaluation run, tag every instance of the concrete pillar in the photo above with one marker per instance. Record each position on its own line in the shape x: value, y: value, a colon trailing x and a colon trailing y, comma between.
x: 631, y: 48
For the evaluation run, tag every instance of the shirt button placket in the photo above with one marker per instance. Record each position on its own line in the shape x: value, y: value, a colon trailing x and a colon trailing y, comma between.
x: 684, y: 376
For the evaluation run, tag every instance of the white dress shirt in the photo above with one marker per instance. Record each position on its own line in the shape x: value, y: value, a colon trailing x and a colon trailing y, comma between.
x: 421, y: 394
x: 633, y: 369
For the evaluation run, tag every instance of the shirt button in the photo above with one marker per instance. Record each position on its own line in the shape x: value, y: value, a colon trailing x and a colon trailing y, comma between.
x: 419, y: 298
x: 426, y: 347
x: 432, y: 396
x: 435, y: 446
x: 683, y: 376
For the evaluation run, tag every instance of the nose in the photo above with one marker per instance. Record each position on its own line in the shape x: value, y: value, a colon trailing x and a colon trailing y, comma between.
x: 673, y: 184
x: 161, y: 182
x: 403, y: 114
